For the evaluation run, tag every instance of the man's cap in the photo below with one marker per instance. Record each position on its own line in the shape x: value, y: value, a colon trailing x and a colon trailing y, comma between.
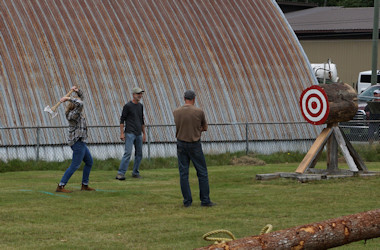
x: 377, y: 91
x: 189, y: 94
x: 137, y: 90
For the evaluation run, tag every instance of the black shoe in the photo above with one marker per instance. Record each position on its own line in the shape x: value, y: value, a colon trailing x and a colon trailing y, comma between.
x: 211, y: 204
x: 120, y: 177
x: 187, y: 205
x: 136, y: 176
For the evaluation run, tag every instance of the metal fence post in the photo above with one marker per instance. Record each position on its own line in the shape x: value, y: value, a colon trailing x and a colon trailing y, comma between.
x: 148, y: 132
x: 246, y: 138
x: 38, y: 144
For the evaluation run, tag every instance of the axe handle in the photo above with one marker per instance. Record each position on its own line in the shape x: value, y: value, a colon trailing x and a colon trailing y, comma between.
x: 59, y: 103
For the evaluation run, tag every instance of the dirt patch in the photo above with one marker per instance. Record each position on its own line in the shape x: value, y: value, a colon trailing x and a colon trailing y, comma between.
x: 247, y: 160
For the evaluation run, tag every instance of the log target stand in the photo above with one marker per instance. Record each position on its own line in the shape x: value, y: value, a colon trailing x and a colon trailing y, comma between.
x: 327, y: 104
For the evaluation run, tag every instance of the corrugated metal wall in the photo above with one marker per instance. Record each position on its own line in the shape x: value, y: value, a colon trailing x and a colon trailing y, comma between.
x: 240, y: 56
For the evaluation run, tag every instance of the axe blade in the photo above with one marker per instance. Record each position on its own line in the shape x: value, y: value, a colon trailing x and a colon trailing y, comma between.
x: 50, y: 111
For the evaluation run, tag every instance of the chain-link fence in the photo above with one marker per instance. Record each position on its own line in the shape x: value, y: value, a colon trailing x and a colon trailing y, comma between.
x: 49, y: 143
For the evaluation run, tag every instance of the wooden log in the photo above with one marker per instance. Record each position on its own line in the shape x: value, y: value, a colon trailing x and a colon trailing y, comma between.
x: 320, y: 235
x: 342, y: 100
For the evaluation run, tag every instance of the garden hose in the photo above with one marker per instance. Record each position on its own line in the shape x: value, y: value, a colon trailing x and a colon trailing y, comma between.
x: 268, y: 228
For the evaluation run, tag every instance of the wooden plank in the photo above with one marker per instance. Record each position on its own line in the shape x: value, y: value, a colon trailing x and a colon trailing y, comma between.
x: 339, y: 176
x: 267, y: 176
x: 358, y: 160
x: 310, y: 177
x: 289, y: 175
x: 369, y: 174
x: 346, y: 153
x: 314, y: 162
x: 310, y: 158
x: 332, y: 154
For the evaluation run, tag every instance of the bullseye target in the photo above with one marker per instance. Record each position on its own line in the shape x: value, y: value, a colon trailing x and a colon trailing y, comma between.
x: 314, y: 105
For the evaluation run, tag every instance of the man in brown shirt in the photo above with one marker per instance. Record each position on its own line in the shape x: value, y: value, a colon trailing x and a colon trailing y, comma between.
x: 190, y: 122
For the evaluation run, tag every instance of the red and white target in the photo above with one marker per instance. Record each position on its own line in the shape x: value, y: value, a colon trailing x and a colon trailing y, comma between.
x: 314, y: 105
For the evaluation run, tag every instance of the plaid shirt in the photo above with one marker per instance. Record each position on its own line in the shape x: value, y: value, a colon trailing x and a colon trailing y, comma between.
x: 77, y: 122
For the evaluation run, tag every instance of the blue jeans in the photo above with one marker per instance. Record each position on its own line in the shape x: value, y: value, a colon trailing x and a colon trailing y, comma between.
x: 187, y: 151
x: 80, y: 153
x: 130, y: 140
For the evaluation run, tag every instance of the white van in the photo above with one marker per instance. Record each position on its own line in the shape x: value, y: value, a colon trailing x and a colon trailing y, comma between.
x: 364, y: 80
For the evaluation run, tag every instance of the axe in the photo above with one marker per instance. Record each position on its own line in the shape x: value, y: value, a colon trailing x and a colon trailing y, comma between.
x: 52, y: 109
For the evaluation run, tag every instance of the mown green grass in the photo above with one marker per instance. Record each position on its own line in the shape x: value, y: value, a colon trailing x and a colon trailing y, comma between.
x: 147, y: 213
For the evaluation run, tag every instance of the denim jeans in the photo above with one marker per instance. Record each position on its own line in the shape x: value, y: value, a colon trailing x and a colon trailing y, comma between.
x: 80, y: 153
x: 373, y: 131
x: 187, y: 151
x: 130, y: 140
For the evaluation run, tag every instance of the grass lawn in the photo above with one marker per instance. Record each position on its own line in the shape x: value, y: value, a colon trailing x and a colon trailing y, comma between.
x: 148, y: 214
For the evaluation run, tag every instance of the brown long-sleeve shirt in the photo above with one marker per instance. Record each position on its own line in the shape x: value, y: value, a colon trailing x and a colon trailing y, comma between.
x: 190, y: 121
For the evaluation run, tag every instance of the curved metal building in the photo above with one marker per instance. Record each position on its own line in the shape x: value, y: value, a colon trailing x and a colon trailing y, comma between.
x: 240, y: 56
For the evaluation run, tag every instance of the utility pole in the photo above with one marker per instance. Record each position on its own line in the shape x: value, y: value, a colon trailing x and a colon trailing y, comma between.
x: 375, y: 38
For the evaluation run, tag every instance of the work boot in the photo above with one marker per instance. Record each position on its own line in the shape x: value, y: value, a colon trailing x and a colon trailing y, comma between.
x: 86, y: 188
x: 120, y: 177
x: 210, y: 204
x: 136, y: 176
x: 62, y: 189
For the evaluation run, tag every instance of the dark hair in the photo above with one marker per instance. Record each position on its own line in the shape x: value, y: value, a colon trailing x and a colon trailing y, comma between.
x: 189, y: 95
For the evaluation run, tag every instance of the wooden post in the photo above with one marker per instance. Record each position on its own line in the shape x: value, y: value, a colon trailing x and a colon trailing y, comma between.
x: 356, y: 157
x: 347, y: 155
x: 321, y: 235
x: 332, y: 155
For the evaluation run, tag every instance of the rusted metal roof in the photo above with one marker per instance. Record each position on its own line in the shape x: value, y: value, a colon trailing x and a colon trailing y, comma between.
x: 241, y: 57
x: 332, y: 19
